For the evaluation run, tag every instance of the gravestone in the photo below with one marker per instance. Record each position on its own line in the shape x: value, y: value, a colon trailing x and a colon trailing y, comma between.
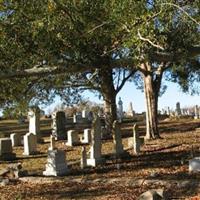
x: 120, y: 110
x: 34, y: 122
x: 52, y: 142
x: 75, y: 118
x: 168, y: 111
x: 118, y: 147
x: 86, y: 136
x: 84, y: 114
x: 178, y: 109
x: 30, y: 144
x: 58, y: 125
x: 130, y: 111
x: 95, y: 148
x: 135, y: 141
x: 6, y: 149
x: 196, y: 112
x: 83, y: 157
x: 16, y: 139
x: 90, y: 116
x: 56, y: 163
x: 72, y: 138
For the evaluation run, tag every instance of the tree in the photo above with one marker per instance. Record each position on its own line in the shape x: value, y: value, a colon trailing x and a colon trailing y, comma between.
x: 91, y: 41
x: 164, y: 43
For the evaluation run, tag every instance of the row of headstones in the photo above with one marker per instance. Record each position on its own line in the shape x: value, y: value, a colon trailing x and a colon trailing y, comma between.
x: 56, y: 161
x: 56, y: 158
x: 58, y: 122
x: 183, y: 112
x: 7, y: 144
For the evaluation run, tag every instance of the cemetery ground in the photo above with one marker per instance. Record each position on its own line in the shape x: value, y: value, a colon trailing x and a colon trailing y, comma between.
x: 162, y: 163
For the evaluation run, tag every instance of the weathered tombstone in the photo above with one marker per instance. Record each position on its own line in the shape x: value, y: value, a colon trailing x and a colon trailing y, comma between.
x: 72, y: 137
x: 83, y: 157
x: 58, y: 125
x: 52, y: 142
x: 86, y: 136
x: 120, y: 109
x: 194, y: 164
x: 118, y: 147
x: 16, y: 139
x: 130, y: 112
x: 135, y: 141
x: 95, y: 148
x: 196, y: 112
x: 30, y: 144
x: 168, y: 111
x: 75, y: 118
x: 56, y: 163
x: 178, y: 109
x: 90, y: 116
x: 34, y: 122
x: 6, y: 149
x: 84, y: 114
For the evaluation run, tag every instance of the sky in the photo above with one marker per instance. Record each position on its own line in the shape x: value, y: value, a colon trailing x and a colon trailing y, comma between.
x: 129, y: 93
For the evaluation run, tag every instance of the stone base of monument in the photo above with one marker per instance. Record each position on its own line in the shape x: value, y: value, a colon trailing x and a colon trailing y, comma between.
x: 94, y: 162
x: 8, y: 156
x: 194, y: 164
x: 56, y: 163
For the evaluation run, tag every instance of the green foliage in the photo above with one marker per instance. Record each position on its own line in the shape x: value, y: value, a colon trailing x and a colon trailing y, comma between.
x: 91, y: 33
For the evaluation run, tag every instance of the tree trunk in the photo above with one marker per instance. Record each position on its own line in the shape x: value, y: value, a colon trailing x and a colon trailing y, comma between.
x: 152, y: 83
x: 109, y: 96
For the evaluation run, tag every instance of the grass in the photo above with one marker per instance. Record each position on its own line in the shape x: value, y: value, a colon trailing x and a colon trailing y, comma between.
x: 164, y: 159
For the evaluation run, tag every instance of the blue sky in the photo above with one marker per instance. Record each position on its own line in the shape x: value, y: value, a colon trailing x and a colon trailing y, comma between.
x: 129, y: 93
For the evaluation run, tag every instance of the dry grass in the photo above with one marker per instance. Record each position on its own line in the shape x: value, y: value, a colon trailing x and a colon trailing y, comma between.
x: 165, y: 159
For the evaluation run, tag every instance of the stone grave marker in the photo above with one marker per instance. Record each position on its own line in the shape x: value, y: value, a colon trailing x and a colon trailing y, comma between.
x: 118, y: 147
x: 16, y: 139
x: 30, y: 144
x: 34, y: 122
x: 86, y: 136
x: 84, y: 114
x: 52, y: 142
x: 178, y: 109
x: 58, y: 125
x: 135, y: 141
x: 6, y: 149
x: 130, y: 112
x: 120, y: 110
x: 83, y: 157
x: 72, y: 137
x: 56, y: 163
x: 95, y: 148
x: 196, y: 112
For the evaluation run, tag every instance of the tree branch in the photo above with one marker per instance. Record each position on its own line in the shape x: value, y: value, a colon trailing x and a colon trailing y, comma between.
x: 149, y: 41
x: 181, y: 9
x: 124, y: 81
